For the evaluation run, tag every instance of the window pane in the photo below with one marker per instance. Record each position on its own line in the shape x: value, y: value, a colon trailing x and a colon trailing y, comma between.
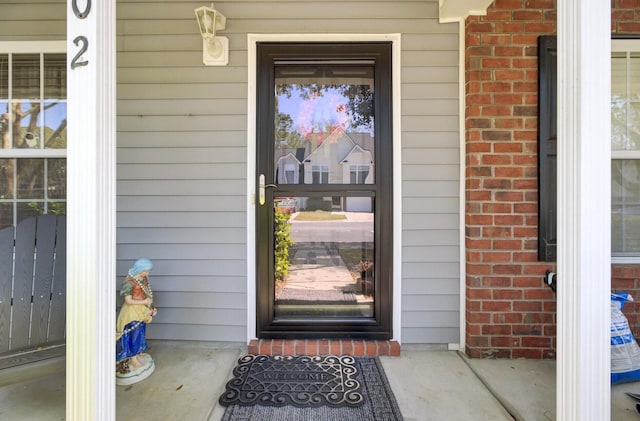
x: 26, y: 76
x: 625, y: 102
x: 625, y: 206
x: 5, y: 134
x: 6, y: 215
x: 4, y: 76
x: 633, y: 127
x: 7, y: 177
x: 55, y: 125
x: 330, y: 258
x: 634, y: 76
x: 359, y: 174
x: 31, y: 186
x: 26, y: 115
x: 55, y: 76
x: 26, y: 210
x: 620, y: 140
x: 619, y: 102
x: 31, y: 179
x: 619, y: 76
x: 324, y: 118
x: 57, y: 208
x: 56, y: 178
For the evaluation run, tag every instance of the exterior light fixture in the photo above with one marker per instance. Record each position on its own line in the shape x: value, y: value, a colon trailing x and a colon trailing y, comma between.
x: 215, y: 50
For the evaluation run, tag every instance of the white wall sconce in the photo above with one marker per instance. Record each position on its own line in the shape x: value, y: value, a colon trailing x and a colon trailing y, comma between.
x: 215, y: 50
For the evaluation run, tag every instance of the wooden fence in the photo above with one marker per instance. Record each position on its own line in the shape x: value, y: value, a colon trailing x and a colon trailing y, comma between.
x: 33, y: 283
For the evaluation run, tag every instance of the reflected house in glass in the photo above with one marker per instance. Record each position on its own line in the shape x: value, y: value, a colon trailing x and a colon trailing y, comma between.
x: 289, y: 165
x: 338, y: 158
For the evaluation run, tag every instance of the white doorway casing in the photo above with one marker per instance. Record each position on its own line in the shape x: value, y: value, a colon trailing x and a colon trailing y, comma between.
x: 252, y: 41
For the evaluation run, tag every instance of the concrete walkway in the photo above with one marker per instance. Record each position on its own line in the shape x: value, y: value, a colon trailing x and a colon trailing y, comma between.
x: 428, y: 384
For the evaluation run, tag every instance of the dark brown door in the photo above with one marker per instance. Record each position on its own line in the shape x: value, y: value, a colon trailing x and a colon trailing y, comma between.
x: 324, y: 168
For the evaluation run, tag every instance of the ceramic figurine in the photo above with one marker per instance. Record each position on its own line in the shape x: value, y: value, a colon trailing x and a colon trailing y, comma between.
x: 132, y: 364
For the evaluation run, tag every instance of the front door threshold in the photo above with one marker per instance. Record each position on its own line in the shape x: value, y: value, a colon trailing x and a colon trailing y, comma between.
x: 353, y: 347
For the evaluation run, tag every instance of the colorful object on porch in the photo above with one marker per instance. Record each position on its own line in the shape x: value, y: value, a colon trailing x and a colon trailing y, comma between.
x: 625, y: 352
x: 132, y: 364
x: 319, y: 388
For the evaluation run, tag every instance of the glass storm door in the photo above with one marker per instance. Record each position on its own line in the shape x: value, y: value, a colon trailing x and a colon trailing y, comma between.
x: 324, y: 180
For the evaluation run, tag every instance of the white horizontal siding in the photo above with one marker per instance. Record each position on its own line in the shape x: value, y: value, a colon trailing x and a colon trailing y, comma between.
x: 232, y: 317
x: 422, y: 173
x: 183, y: 107
x: 433, y: 287
x: 221, y: 138
x: 444, y: 319
x: 227, y: 332
x: 170, y: 236
x: 434, y: 253
x: 429, y: 156
x: 428, y: 271
x: 180, y: 203
x: 177, y: 154
x: 33, y: 20
x: 193, y: 251
x: 340, y: 11
x: 433, y: 107
x: 180, y: 123
x: 181, y: 219
x: 435, y: 139
x: 219, y: 188
x: 181, y: 171
x: 446, y: 236
x: 177, y: 90
x: 445, y: 334
x: 33, y: 11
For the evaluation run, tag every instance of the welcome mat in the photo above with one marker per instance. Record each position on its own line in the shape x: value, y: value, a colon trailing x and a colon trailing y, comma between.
x: 298, y: 381
x: 283, y: 388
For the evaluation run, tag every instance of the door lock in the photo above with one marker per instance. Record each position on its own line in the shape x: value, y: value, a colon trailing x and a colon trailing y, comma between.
x: 261, y: 187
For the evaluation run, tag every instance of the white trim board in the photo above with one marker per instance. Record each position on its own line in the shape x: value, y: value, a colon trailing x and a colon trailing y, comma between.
x: 33, y: 46
x: 252, y: 40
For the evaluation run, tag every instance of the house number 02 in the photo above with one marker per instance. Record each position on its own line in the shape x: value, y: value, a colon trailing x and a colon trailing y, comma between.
x: 80, y: 39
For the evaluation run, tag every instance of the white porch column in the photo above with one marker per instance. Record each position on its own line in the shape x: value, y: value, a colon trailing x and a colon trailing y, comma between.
x: 91, y: 210
x: 584, y: 218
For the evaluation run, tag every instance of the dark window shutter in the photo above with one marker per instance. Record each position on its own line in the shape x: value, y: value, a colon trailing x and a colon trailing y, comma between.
x: 547, y: 148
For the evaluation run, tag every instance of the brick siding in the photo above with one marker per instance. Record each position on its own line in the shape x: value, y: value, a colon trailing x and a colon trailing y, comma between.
x: 353, y: 347
x: 510, y: 313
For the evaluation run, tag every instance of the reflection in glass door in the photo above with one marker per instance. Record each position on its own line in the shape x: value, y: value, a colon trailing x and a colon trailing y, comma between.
x: 324, y: 135
x: 326, y: 190
x: 331, y: 260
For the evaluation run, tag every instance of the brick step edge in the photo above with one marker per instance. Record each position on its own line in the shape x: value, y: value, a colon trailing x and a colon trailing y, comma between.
x: 295, y: 347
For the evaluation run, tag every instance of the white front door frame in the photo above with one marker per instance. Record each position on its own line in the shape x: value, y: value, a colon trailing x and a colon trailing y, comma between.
x: 252, y: 41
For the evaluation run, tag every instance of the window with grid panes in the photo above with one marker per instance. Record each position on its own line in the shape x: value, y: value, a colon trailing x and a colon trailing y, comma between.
x: 625, y: 150
x: 33, y: 130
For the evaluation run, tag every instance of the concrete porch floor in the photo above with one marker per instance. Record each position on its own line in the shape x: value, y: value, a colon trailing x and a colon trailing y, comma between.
x: 428, y: 384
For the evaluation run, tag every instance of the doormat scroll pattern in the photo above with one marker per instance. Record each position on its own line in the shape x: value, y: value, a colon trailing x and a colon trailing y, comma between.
x: 379, y: 402
x: 302, y: 381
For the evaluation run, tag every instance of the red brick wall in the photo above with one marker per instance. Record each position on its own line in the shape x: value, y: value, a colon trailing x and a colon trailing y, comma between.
x: 510, y: 313
x: 625, y: 16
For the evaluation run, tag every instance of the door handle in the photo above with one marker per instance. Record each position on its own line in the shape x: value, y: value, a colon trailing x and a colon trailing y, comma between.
x: 262, y: 187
